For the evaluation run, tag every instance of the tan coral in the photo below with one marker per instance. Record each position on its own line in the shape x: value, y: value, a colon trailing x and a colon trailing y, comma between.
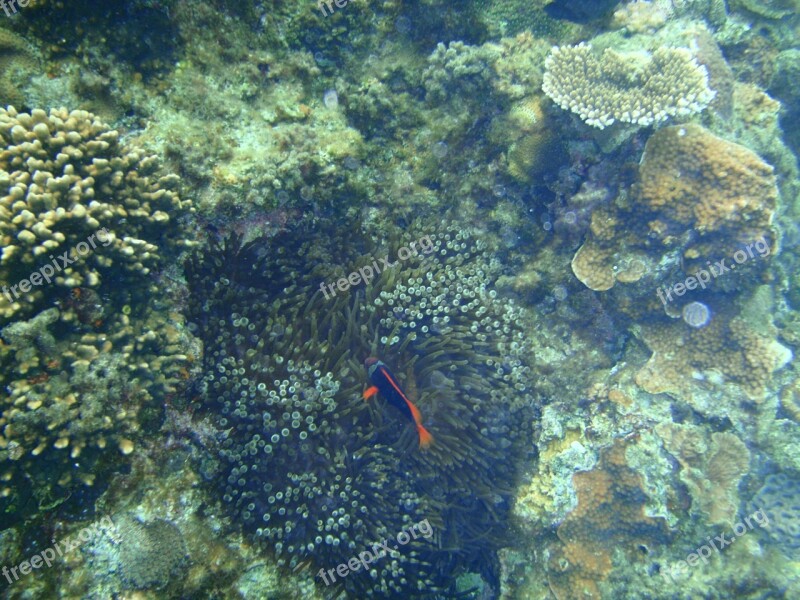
x: 684, y: 356
x: 592, y: 266
x: 710, y: 468
x: 700, y: 180
x: 82, y: 370
x: 599, y: 267
x: 64, y: 176
x: 534, y: 146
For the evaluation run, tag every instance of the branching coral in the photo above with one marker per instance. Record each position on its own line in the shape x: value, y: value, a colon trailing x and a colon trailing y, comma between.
x: 459, y: 68
x: 64, y: 176
x: 80, y: 378
x: 626, y: 87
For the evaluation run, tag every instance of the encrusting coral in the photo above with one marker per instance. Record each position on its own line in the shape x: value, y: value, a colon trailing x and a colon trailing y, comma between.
x: 626, y: 87
x: 710, y: 468
x: 698, y: 195
x: 698, y: 180
x: 610, y: 514
x: 728, y: 348
x: 18, y: 59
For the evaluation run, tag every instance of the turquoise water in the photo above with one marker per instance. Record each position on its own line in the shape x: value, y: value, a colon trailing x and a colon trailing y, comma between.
x: 399, y: 299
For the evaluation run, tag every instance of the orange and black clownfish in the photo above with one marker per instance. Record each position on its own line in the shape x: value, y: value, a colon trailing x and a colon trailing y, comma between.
x: 384, y: 382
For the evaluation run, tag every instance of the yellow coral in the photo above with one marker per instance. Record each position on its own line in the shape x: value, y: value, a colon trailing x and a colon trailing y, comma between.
x: 535, y: 147
x: 63, y: 177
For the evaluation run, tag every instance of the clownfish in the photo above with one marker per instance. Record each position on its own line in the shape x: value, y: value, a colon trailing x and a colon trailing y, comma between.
x: 384, y: 382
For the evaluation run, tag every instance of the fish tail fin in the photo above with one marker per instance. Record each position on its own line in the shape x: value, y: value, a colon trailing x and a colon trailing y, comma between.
x: 370, y: 392
x: 425, y: 437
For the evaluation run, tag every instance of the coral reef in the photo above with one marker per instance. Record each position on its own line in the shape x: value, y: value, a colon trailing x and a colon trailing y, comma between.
x: 626, y: 87
x: 239, y: 464
x: 699, y: 198
x: 67, y: 185
x: 698, y: 180
x: 151, y: 554
x: 312, y: 471
x: 687, y: 360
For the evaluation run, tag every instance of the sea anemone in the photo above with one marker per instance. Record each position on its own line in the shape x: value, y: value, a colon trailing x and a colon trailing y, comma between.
x: 315, y: 473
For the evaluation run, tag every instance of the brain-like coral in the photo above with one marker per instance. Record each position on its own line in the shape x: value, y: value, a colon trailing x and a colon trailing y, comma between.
x: 313, y: 471
x: 622, y: 87
x: 779, y: 498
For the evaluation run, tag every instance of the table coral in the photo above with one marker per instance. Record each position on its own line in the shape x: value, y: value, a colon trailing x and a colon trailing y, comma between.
x: 610, y: 514
x: 627, y: 87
